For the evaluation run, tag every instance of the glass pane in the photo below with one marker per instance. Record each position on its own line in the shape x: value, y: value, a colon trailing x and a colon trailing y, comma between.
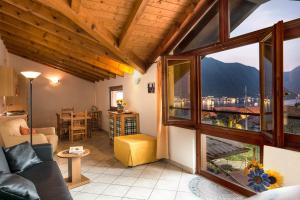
x: 244, y: 15
x: 205, y: 32
x: 292, y: 86
x: 230, y: 88
x: 179, y: 82
x: 227, y: 159
x: 267, y: 65
x: 114, y: 96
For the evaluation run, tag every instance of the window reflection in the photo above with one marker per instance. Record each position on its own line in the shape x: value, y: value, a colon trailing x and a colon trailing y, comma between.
x: 179, y: 88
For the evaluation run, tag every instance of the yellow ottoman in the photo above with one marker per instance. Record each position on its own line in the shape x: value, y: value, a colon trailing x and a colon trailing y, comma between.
x: 133, y: 150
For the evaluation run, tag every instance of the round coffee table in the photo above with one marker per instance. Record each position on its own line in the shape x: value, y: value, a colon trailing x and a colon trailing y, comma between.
x: 75, y: 178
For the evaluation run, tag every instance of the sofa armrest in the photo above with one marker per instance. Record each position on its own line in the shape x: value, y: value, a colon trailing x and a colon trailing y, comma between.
x: 46, y: 131
x: 12, y: 140
x: 44, y: 151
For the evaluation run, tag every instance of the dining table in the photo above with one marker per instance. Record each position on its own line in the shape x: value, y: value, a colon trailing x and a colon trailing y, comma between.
x: 64, y: 120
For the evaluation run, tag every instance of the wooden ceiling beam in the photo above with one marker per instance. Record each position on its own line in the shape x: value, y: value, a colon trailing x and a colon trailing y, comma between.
x: 33, y: 44
x: 75, y: 45
x: 179, y: 30
x: 48, y: 15
x: 133, y: 18
x: 50, y: 62
x: 108, y: 69
x: 75, y: 5
x: 101, y: 34
x: 36, y: 49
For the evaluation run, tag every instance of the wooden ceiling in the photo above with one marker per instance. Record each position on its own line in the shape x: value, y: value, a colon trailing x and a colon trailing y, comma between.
x: 96, y: 39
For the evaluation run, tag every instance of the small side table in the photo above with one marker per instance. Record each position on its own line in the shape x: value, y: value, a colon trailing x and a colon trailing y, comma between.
x: 75, y: 178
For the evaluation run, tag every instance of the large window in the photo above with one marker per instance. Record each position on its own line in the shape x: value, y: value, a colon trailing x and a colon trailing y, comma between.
x: 230, y: 88
x: 292, y: 86
x: 247, y: 16
x: 205, y: 32
x: 246, y: 88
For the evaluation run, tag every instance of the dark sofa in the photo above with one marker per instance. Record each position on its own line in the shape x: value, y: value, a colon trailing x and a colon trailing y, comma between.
x: 46, y: 176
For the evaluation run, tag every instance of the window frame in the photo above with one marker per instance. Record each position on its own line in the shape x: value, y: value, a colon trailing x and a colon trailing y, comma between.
x: 167, y: 120
x: 111, y: 89
x: 281, y: 31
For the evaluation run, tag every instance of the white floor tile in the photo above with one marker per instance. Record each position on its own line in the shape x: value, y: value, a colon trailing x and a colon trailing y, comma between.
x: 85, y: 196
x: 91, y: 176
x: 116, y: 190
x: 95, y: 188
x: 78, y: 189
x: 105, y: 178
x: 138, y: 193
x: 162, y: 195
x: 114, y: 171
x: 151, y: 173
x: 97, y: 169
x: 144, y: 182
x: 132, y: 172
x: 167, y: 184
x: 103, y: 197
x: 187, y: 196
x: 123, y: 180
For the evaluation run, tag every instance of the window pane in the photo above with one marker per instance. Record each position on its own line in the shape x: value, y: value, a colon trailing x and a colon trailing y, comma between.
x: 205, y: 32
x: 179, y: 88
x: 292, y: 86
x: 244, y: 15
x: 267, y: 64
x: 230, y: 88
x: 227, y: 159
x: 115, y: 95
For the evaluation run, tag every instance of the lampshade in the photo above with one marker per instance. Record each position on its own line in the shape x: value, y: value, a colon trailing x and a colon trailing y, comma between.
x: 31, y: 74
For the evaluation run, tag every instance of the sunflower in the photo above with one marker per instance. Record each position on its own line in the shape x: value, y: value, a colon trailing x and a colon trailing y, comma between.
x: 258, y: 180
x: 253, y: 164
x: 275, y: 178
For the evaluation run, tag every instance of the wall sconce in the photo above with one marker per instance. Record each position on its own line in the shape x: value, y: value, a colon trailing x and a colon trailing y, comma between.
x: 54, y: 81
x: 137, y: 77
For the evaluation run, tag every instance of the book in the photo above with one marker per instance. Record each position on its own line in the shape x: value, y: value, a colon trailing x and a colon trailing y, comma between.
x: 76, y: 150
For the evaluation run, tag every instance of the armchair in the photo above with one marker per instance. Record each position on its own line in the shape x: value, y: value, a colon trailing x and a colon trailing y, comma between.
x: 10, y: 134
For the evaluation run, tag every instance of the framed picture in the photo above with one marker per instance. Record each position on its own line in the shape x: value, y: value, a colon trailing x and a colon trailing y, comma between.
x: 151, y: 87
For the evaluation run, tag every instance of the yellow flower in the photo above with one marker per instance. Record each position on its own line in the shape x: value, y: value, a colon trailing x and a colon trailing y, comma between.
x: 276, y: 179
x: 252, y: 165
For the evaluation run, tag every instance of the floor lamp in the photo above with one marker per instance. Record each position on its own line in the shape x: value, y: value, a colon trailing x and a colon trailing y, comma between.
x: 31, y: 76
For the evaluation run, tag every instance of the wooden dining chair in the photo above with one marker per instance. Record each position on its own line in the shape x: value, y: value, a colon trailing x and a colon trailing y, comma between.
x: 78, y: 125
x: 67, y: 110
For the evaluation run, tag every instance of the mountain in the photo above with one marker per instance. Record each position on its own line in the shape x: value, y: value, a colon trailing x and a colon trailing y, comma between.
x: 228, y: 79
x: 292, y: 82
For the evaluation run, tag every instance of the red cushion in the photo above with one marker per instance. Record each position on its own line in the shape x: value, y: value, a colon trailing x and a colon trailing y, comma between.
x: 26, y: 131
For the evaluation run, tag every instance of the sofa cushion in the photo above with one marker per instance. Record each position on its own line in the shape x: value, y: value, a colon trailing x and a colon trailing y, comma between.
x: 26, y: 131
x: 12, y: 127
x: 20, y: 157
x: 4, y: 168
x: 48, y: 181
x: 15, y: 187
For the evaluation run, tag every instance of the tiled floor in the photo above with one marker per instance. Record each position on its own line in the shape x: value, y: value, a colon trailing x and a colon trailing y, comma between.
x: 111, y: 181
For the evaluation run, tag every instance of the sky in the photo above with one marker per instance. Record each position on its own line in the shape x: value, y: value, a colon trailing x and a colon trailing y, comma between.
x: 266, y: 15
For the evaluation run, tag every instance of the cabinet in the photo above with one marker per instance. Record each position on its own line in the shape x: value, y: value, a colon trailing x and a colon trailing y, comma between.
x: 123, y: 124
x: 8, y: 82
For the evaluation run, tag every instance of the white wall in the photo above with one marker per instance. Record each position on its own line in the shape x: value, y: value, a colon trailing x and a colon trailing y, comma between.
x: 49, y: 99
x: 182, y: 147
x: 136, y: 95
